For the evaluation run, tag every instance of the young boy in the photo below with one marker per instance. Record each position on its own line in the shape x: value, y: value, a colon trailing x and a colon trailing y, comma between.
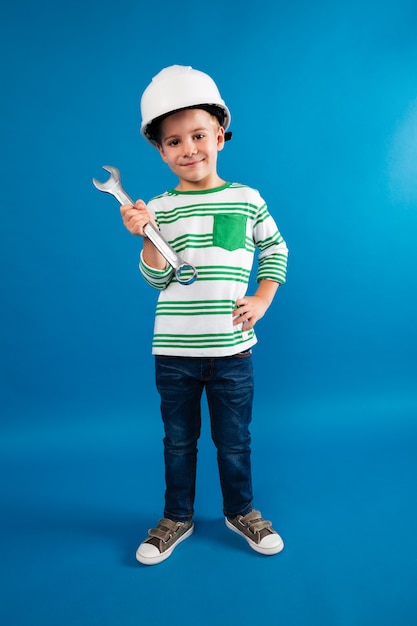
x: 204, y: 332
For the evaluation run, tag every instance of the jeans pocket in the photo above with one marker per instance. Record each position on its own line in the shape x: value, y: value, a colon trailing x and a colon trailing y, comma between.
x: 229, y: 231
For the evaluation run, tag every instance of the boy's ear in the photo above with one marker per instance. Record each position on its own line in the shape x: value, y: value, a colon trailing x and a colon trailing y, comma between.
x: 220, y: 138
x: 161, y: 152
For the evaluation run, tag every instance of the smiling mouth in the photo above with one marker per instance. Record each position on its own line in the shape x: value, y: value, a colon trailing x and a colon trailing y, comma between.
x: 193, y: 163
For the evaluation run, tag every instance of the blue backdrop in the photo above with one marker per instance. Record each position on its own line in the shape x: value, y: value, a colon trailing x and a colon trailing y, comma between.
x: 323, y: 98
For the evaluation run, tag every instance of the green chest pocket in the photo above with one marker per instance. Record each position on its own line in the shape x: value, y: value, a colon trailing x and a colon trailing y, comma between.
x: 229, y: 231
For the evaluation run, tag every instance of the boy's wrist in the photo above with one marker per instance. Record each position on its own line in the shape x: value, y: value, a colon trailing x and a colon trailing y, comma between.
x: 152, y: 256
x: 266, y: 291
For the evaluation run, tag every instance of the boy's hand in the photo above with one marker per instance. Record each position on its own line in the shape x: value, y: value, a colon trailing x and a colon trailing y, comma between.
x: 250, y: 309
x: 136, y: 217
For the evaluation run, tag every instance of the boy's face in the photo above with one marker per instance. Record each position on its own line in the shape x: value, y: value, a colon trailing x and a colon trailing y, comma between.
x: 190, y: 141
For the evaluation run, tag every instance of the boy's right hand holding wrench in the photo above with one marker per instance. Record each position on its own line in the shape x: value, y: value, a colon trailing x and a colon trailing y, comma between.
x: 135, y: 218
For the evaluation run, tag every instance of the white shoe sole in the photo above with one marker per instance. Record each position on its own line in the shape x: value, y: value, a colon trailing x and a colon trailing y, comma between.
x: 158, y: 557
x: 263, y: 547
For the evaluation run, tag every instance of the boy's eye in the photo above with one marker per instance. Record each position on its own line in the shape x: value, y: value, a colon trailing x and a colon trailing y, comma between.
x: 175, y: 142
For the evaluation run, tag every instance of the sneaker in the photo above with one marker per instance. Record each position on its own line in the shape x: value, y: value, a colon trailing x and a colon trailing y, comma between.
x: 162, y: 540
x: 258, y: 532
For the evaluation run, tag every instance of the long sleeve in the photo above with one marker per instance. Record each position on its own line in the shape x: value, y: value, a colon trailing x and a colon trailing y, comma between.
x: 158, y: 279
x: 273, y: 256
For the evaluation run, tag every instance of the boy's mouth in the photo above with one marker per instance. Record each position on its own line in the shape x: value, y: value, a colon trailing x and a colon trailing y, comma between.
x: 193, y: 163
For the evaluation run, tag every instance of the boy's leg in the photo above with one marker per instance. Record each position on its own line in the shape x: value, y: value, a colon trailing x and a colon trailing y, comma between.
x: 180, y: 392
x: 230, y: 397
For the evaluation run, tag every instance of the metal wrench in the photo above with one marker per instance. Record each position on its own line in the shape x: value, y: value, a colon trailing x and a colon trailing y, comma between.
x: 114, y: 187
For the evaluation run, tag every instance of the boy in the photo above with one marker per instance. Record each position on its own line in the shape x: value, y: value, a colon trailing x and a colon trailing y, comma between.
x: 204, y: 332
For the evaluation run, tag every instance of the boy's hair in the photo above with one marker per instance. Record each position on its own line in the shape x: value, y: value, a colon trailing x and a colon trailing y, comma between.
x: 153, y: 131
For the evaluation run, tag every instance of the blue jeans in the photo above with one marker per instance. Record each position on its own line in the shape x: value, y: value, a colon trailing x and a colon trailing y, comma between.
x: 228, y: 382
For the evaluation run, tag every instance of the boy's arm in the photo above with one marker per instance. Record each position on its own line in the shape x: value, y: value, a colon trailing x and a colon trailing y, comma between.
x: 250, y: 309
x: 135, y: 219
x: 153, y: 266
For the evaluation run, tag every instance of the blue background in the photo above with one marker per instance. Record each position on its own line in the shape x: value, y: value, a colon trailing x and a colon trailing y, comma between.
x: 323, y: 98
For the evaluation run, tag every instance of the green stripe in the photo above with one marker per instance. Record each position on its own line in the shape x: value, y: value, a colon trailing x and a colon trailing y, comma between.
x: 206, y: 210
x: 195, y: 307
x: 276, y: 259
x: 275, y: 240
x: 195, y: 241
x: 219, y: 272
x: 200, y: 341
x: 263, y: 214
x: 158, y: 279
x: 192, y: 241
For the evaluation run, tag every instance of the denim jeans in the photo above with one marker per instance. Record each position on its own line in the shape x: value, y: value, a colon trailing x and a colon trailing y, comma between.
x: 228, y: 383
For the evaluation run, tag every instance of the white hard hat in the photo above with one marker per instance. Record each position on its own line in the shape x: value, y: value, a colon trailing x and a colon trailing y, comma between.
x: 180, y: 87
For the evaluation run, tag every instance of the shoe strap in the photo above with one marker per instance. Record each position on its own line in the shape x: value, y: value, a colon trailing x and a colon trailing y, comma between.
x: 255, y: 522
x: 165, y: 529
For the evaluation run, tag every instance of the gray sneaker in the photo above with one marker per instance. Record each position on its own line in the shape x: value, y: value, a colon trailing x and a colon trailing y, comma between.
x: 258, y: 532
x: 162, y: 540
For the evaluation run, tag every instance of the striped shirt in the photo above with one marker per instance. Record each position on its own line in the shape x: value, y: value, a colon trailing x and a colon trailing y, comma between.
x: 217, y: 231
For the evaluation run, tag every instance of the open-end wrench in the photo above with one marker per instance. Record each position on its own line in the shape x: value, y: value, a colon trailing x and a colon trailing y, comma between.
x: 114, y: 187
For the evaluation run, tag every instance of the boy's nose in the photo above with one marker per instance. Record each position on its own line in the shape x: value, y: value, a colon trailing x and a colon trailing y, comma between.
x: 190, y: 148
